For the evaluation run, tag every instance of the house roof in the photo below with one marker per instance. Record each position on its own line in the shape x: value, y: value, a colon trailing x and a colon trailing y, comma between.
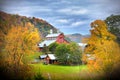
x: 82, y: 44
x: 53, y: 35
x: 43, y: 56
x: 47, y: 42
x: 51, y: 56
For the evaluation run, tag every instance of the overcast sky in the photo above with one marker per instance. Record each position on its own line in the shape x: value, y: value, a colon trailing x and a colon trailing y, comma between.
x: 70, y: 16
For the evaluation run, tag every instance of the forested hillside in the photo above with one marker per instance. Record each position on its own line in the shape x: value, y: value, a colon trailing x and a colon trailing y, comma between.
x: 8, y: 20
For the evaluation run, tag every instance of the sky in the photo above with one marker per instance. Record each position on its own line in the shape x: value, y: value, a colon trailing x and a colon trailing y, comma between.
x: 69, y: 16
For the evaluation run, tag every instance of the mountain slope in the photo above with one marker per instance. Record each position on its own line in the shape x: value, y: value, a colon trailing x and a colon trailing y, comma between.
x: 7, y: 20
x: 76, y: 37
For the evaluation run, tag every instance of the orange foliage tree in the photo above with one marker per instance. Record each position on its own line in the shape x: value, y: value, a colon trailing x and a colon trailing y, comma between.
x: 102, y: 51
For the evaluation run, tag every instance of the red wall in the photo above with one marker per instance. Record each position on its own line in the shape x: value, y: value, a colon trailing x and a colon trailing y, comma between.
x: 60, y: 39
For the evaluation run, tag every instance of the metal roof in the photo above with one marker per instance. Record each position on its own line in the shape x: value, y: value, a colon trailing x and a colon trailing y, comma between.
x: 53, y: 35
x: 43, y: 56
x: 46, y: 42
x: 82, y: 44
x: 51, y: 56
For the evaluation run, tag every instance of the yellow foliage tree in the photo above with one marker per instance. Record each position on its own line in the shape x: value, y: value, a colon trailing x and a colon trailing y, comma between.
x: 103, y: 51
x: 21, y: 41
x: 18, y: 42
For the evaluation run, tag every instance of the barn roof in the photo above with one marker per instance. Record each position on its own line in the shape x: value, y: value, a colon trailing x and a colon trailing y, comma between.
x: 46, y: 42
x: 53, y: 35
x: 51, y: 56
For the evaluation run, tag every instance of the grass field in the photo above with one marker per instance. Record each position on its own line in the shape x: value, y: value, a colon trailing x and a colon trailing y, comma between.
x: 58, y: 72
x: 33, y: 57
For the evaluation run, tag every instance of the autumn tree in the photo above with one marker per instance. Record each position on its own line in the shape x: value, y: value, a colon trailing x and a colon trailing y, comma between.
x: 20, y: 41
x: 102, y: 48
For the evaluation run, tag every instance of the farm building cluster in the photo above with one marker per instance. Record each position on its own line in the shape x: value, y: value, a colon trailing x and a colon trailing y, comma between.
x: 51, y: 38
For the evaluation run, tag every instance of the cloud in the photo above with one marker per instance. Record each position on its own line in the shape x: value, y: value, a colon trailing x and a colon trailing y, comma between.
x: 78, y: 23
x: 66, y: 2
x: 67, y: 15
x: 103, y: 8
x: 62, y: 21
x: 28, y: 10
x: 73, y: 11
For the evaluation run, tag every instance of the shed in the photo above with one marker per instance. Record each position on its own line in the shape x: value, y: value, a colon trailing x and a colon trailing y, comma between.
x: 50, y: 59
x: 42, y: 56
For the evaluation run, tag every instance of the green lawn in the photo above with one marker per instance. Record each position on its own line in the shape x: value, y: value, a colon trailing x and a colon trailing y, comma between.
x: 58, y: 72
x: 32, y: 57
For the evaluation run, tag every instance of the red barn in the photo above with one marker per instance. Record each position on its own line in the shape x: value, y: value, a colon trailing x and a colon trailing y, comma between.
x: 61, y: 39
x: 51, y: 38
